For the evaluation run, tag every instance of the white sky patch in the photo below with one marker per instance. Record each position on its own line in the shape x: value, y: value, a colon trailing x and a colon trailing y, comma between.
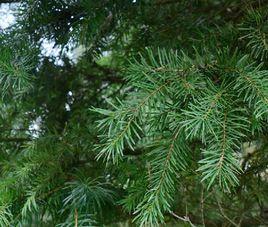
x: 70, y: 101
x: 76, y: 53
x: 49, y: 49
x: 35, y: 127
x: 67, y: 107
x: 7, y: 17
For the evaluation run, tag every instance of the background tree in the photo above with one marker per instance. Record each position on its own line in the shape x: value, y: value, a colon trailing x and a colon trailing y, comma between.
x: 151, y: 111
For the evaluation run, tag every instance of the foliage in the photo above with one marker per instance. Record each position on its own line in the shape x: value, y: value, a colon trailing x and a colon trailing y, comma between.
x: 149, y: 111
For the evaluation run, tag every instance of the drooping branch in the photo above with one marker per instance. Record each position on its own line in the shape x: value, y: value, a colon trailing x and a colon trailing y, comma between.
x: 15, y: 139
x: 9, y: 1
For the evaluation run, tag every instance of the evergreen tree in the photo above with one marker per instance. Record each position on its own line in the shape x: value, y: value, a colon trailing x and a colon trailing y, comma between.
x: 147, y: 112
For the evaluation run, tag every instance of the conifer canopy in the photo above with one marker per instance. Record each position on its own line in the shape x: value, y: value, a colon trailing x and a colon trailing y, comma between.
x: 134, y: 112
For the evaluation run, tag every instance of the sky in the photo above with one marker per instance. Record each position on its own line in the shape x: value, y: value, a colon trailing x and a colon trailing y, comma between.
x: 6, y: 15
x: 49, y: 49
x: 7, y: 18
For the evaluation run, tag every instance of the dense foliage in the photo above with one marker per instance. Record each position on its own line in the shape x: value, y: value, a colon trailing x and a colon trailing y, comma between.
x: 146, y: 111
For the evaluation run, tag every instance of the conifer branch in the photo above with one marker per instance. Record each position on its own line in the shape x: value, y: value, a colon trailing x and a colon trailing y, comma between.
x: 166, y: 161
x: 115, y: 143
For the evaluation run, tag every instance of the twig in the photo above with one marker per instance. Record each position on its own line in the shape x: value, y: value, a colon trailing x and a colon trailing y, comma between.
x: 202, y: 205
x: 185, y: 218
x: 224, y: 215
x: 76, y: 218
